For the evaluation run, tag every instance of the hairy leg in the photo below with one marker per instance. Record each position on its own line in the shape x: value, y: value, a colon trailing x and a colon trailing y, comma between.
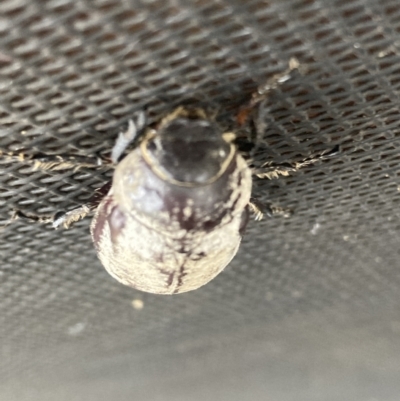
x: 259, y: 209
x: 135, y: 129
x: 254, y: 113
x: 74, y: 215
x: 55, y: 162
x: 61, y: 162
x: 75, y: 162
x: 264, y: 91
x: 272, y: 170
x: 64, y: 219
x: 133, y: 133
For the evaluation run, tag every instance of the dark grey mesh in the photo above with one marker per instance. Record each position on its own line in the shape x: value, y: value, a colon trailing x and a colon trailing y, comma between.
x: 310, y: 308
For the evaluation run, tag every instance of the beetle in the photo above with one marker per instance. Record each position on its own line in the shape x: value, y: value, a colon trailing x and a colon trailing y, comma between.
x: 175, y: 212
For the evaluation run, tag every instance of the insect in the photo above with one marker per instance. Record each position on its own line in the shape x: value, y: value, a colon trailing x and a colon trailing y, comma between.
x: 174, y: 215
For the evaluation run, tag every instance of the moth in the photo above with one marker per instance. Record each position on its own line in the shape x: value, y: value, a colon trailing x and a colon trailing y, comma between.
x: 176, y: 210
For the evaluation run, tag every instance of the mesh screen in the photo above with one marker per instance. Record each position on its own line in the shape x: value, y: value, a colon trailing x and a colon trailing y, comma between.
x: 309, y: 308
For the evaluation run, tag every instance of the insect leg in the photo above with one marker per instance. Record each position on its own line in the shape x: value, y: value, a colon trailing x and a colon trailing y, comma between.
x: 264, y: 90
x: 272, y: 170
x: 135, y: 128
x: 42, y: 161
x: 54, y: 162
x: 66, y: 219
x: 18, y: 214
x: 259, y: 208
x: 134, y: 131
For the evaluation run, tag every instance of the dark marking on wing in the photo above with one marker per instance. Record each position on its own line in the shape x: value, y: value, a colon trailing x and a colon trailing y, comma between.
x: 244, y: 220
x: 182, y: 274
x: 198, y: 256
x: 170, y: 276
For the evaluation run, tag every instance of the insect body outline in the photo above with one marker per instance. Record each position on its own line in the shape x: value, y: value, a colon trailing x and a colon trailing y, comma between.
x: 176, y: 210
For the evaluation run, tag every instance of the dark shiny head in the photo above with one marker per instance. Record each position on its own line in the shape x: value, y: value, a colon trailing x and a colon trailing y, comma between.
x: 190, y: 151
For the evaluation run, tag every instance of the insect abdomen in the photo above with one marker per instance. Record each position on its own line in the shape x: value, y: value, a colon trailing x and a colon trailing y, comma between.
x: 164, y: 265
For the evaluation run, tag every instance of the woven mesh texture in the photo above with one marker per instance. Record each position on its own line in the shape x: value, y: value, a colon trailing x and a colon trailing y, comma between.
x: 309, y: 308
